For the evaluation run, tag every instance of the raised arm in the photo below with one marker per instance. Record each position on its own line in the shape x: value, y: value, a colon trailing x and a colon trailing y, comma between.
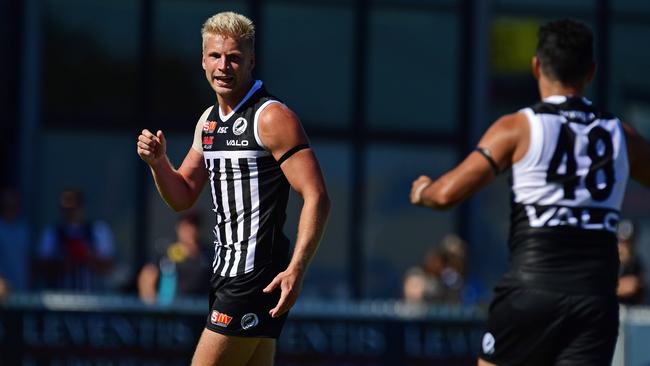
x: 638, y: 152
x: 178, y: 188
x: 504, y: 143
x: 281, y: 132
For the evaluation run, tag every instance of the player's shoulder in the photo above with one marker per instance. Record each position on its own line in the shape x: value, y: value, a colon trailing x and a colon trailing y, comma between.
x: 198, y: 129
x: 509, y: 132
x: 262, y: 97
x: 276, y: 108
x: 516, y: 120
x: 628, y: 129
x: 206, y: 113
x: 277, y: 115
x: 204, y: 117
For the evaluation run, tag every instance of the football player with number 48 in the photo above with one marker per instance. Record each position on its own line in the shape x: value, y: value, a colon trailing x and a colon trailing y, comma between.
x: 570, y: 164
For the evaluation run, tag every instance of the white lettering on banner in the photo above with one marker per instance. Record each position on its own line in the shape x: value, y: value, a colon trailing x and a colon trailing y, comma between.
x: 102, y: 331
x: 440, y: 341
x: 326, y: 338
x: 565, y: 216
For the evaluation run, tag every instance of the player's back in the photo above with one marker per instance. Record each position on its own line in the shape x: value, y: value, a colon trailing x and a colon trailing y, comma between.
x: 567, y: 194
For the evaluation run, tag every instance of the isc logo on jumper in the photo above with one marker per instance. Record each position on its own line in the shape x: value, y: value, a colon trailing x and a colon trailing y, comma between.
x: 209, y: 126
x: 220, y: 319
x: 222, y: 129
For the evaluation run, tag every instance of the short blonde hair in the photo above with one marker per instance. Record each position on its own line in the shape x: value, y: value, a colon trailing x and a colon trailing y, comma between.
x: 233, y: 25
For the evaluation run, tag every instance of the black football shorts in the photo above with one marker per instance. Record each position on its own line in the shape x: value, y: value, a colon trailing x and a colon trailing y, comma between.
x: 540, y: 327
x: 239, y: 307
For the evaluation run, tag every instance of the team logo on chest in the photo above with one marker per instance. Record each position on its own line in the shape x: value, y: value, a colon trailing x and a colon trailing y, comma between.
x: 239, y: 126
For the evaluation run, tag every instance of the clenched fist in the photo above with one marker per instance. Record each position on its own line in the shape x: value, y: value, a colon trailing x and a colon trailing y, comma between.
x: 152, y: 148
x: 418, y: 186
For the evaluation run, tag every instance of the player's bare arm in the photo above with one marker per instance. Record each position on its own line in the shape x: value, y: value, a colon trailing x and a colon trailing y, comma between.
x: 280, y: 130
x: 503, y: 144
x: 179, y: 188
x: 638, y: 152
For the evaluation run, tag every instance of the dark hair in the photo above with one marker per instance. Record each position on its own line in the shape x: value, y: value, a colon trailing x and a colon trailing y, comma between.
x: 565, y: 51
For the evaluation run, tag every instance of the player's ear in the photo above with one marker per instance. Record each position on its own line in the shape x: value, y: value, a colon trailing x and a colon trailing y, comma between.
x: 535, y: 67
x: 203, y: 61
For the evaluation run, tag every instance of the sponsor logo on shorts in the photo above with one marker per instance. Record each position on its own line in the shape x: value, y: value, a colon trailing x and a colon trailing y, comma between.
x: 239, y: 126
x: 249, y: 320
x: 220, y: 319
x: 488, y: 343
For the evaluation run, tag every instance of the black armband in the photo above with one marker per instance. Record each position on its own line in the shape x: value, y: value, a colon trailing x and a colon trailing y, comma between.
x: 488, y: 156
x: 292, y: 151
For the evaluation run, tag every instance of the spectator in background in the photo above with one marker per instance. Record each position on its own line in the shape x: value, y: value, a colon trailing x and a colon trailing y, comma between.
x: 75, y: 254
x: 182, y: 271
x: 14, y: 244
x: 456, y: 251
x: 439, y: 279
x: 631, y: 289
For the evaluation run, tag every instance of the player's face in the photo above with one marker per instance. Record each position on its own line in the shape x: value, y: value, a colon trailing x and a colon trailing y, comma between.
x: 228, y: 64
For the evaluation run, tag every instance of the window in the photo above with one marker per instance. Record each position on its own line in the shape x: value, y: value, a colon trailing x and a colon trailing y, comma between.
x: 105, y: 176
x: 413, y: 70
x: 307, y: 59
x: 397, y: 234
x: 90, y: 72
x: 328, y: 274
x: 180, y: 90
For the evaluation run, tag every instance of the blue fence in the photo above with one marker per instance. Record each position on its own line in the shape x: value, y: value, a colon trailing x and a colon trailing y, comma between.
x: 57, y: 329
x: 78, y: 330
x: 634, y: 338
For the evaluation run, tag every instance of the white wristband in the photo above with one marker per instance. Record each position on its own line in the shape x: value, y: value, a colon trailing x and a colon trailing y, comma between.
x: 418, y: 192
